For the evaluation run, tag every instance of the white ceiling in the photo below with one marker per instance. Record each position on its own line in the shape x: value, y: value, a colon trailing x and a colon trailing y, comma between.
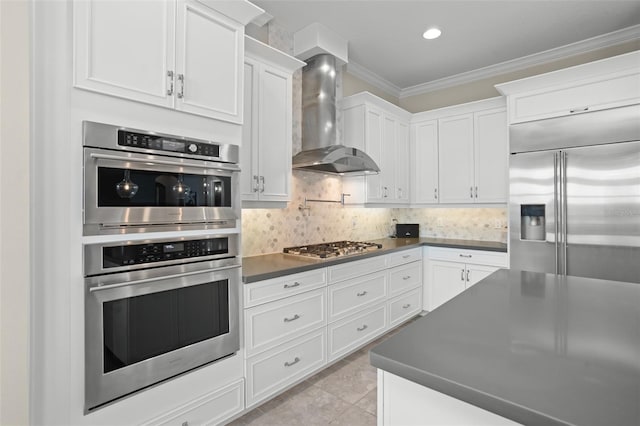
x: 385, y: 37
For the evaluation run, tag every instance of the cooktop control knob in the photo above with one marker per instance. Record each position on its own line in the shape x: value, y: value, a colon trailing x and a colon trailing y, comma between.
x: 193, y: 147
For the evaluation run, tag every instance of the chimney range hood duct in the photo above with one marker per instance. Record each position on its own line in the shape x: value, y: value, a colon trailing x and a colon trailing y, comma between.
x: 320, y: 149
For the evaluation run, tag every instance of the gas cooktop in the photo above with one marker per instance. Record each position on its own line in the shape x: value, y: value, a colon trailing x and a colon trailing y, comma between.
x: 334, y: 249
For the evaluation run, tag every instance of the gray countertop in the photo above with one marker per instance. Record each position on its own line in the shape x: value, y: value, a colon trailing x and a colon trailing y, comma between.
x: 258, y: 268
x: 535, y: 348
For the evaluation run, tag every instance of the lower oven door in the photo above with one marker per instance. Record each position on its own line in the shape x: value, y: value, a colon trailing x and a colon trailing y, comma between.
x: 127, y: 192
x: 147, y: 326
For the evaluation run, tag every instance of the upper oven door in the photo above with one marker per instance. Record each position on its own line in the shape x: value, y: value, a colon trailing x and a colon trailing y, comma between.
x: 125, y: 191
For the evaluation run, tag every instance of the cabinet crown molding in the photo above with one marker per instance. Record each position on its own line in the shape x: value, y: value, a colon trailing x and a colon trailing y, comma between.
x: 241, y: 11
x: 370, y: 98
x: 258, y: 50
x: 469, y: 107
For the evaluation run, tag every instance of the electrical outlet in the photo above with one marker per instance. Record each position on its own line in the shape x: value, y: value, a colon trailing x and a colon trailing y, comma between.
x: 497, y: 224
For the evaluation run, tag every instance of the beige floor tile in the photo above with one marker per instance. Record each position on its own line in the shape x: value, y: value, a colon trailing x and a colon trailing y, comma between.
x: 247, y: 419
x: 369, y: 402
x: 354, y: 417
x: 350, y: 382
x: 317, y: 404
x: 326, y: 372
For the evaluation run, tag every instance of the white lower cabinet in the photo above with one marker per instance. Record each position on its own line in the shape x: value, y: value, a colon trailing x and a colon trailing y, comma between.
x: 352, y: 332
x: 276, y: 322
x: 274, y: 370
x: 451, y: 271
x: 295, y: 325
x: 210, y: 409
x: 404, y: 307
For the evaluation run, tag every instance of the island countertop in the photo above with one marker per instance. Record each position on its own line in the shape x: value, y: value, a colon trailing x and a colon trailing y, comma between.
x: 262, y: 267
x: 535, y: 348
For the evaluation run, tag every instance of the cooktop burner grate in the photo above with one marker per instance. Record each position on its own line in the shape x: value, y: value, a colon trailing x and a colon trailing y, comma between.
x: 333, y: 249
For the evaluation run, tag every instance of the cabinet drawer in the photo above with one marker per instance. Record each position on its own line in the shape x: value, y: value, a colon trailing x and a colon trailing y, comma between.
x: 351, y: 332
x: 611, y: 92
x: 404, y: 278
x: 278, y: 288
x: 211, y: 409
x: 352, y: 295
x: 274, y: 370
x: 276, y: 322
x: 478, y: 257
x: 405, y: 256
x: 356, y: 268
x: 404, y: 306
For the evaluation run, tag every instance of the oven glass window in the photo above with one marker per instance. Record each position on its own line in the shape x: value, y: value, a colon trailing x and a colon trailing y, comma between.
x: 142, y: 188
x: 141, y: 327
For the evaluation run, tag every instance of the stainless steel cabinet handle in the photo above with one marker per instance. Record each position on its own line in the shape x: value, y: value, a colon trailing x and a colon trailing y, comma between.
x: 471, y: 191
x: 384, y: 192
x: 469, y: 256
x: 462, y: 275
x: 262, y: 180
x: 181, y: 81
x: 361, y: 294
x: 406, y: 277
x: 406, y: 256
x: 364, y: 327
x: 293, y: 318
x: 408, y: 305
x: 476, y: 192
x: 170, y: 77
x: 295, y: 284
x: 256, y: 188
x: 468, y: 275
x: 579, y: 109
x: 435, y: 193
x: 295, y: 361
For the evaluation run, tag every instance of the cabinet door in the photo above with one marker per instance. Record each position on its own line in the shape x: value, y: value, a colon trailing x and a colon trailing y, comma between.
x: 424, y: 162
x: 456, y: 159
x: 209, y: 61
x: 249, y: 149
x: 402, y: 163
x: 387, y: 159
x: 447, y: 280
x: 274, y: 134
x: 373, y: 141
x: 476, y: 273
x: 491, y: 156
x: 124, y: 49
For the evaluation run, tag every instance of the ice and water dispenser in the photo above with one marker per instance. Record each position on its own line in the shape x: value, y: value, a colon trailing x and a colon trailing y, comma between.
x: 532, y: 222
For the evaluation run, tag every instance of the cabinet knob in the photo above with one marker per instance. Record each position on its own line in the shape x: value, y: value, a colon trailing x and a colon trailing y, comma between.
x: 364, y: 327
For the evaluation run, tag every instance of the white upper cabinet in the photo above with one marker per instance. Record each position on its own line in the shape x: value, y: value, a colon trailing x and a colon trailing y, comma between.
x: 381, y: 130
x: 265, y: 154
x: 455, y: 156
x: 603, y: 84
x: 424, y: 162
x: 176, y: 54
x: 459, y: 154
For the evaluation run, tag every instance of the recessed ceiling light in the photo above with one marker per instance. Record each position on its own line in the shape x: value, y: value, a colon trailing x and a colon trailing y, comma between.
x: 432, y: 33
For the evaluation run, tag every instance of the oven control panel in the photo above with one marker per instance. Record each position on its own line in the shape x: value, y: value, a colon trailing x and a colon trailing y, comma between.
x: 149, y: 253
x: 163, y: 143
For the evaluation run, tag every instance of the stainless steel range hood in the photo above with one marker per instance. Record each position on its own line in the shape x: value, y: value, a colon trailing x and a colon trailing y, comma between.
x: 321, y: 151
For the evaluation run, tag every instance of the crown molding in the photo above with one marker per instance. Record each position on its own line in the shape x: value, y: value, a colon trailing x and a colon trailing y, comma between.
x: 372, y: 78
x: 584, y: 46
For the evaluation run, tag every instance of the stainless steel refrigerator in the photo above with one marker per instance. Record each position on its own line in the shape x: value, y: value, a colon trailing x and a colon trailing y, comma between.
x: 575, y: 195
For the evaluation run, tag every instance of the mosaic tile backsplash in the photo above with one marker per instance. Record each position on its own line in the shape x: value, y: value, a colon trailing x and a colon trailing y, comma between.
x: 270, y: 230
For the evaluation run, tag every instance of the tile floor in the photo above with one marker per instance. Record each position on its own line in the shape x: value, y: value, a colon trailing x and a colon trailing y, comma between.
x: 341, y: 394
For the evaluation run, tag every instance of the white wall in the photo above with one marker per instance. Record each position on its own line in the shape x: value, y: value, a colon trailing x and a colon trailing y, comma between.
x: 14, y: 212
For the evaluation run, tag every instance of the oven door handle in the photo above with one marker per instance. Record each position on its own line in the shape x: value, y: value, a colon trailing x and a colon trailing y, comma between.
x: 166, y: 277
x: 98, y: 156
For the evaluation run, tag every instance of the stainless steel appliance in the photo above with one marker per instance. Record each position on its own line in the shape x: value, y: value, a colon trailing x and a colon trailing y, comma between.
x: 333, y: 249
x: 134, y: 180
x: 155, y: 309
x: 575, y: 195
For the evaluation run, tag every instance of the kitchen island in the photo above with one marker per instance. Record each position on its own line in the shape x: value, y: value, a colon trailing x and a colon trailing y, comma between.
x: 521, y: 347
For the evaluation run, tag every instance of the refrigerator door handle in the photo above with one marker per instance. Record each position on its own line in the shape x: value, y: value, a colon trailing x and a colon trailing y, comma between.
x: 565, y: 222
x: 555, y: 206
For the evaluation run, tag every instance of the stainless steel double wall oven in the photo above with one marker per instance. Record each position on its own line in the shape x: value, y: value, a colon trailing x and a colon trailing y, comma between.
x: 156, y: 308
